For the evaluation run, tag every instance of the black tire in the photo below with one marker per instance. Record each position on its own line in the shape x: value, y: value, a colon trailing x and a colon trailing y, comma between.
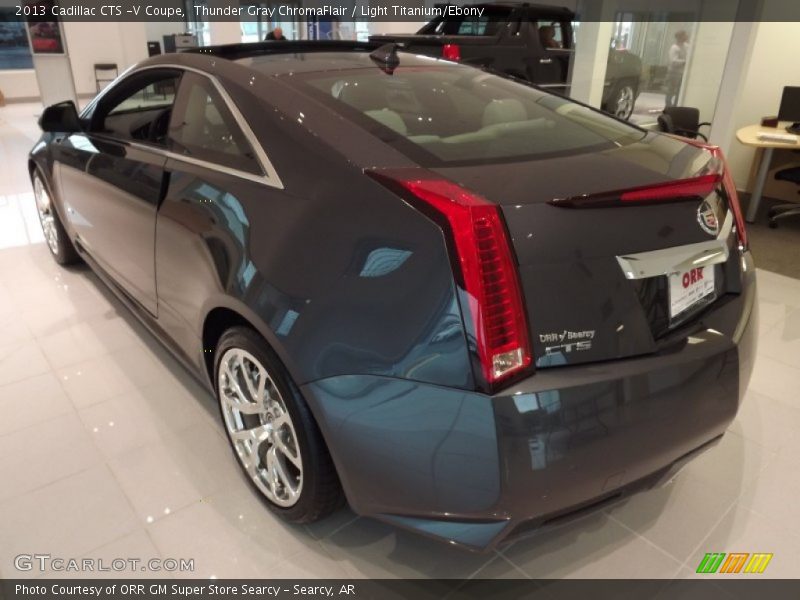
x: 56, y: 238
x: 321, y: 491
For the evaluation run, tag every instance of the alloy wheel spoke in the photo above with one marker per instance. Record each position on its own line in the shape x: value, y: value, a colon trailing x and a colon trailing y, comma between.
x: 246, y: 408
x: 289, y: 453
x: 257, y: 435
x: 233, y: 383
x: 279, y: 474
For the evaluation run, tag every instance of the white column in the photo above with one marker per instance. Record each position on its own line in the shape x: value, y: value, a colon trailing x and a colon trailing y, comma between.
x: 133, y: 43
x: 591, y: 51
x: 732, y: 84
x: 709, y: 51
x: 223, y: 32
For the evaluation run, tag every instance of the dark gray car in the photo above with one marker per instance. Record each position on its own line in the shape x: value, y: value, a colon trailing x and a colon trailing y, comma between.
x: 469, y: 307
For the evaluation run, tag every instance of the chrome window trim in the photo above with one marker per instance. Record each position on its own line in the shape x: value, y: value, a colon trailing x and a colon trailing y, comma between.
x: 678, y: 258
x: 269, y: 175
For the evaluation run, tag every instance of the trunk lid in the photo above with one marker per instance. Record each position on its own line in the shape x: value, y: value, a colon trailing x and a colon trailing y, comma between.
x: 584, y: 300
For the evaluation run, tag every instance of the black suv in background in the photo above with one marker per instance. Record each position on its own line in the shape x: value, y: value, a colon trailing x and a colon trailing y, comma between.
x: 528, y: 41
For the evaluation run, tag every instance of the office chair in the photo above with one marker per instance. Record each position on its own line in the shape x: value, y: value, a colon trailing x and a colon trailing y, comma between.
x: 783, y: 211
x: 682, y: 120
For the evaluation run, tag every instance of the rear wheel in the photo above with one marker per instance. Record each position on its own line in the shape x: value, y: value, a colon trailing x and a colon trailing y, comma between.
x: 55, y: 235
x: 271, y: 430
x: 622, y: 101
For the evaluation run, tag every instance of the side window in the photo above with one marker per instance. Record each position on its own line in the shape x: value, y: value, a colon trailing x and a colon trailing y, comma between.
x: 203, y: 127
x: 551, y: 34
x: 140, y: 108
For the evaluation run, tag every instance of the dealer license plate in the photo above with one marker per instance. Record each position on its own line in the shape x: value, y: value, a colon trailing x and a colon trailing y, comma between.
x: 688, y: 288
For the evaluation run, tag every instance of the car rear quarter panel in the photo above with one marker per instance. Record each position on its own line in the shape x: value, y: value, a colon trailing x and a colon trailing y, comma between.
x: 341, y: 276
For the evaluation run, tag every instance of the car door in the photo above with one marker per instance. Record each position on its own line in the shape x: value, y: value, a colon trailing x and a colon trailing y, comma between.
x: 112, y: 178
x: 550, y: 65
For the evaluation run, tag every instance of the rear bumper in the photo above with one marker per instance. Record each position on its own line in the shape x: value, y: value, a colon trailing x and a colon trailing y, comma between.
x: 478, y: 470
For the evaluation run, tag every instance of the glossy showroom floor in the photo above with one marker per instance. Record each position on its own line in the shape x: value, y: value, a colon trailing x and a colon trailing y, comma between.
x: 108, y: 449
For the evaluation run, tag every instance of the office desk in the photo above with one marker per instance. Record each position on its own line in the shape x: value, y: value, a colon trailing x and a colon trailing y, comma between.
x: 749, y: 137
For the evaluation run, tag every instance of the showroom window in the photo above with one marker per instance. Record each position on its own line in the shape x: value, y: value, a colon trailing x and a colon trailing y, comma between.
x: 14, y: 50
x: 204, y: 128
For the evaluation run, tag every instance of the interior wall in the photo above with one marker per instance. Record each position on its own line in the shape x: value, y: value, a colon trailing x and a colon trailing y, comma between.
x: 770, y: 65
x: 156, y: 30
x: 704, y: 72
x: 19, y: 84
x: 89, y: 43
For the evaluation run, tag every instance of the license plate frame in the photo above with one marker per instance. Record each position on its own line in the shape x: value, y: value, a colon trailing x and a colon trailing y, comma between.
x: 690, y: 289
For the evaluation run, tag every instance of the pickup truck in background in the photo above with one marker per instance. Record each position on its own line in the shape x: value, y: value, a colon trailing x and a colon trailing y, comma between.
x: 527, y: 41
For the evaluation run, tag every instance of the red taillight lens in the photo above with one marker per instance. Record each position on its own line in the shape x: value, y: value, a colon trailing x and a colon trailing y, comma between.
x: 696, y: 186
x: 730, y: 188
x: 451, y: 52
x: 733, y: 195
x: 480, y: 246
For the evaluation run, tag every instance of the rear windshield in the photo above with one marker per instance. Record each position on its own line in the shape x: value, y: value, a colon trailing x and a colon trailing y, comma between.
x: 449, y: 115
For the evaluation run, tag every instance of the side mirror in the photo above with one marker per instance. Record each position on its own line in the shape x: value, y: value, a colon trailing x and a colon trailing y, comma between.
x: 61, y: 118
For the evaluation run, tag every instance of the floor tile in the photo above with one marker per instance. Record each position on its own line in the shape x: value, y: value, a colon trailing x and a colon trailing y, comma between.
x: 770, y: 423
x: 85, y: 340
x: 164, y: 477
x: 368, y: 548
x: 675, y: 517
x: 31, y: 401
x: 95, y: 380
x: 227, y: 538
x: 41, y: 454
x: 595, y: 547
x: 782, y: 341
x: 63, y: 519
x: 131, y: 557
x: 773, y: 494
x: 730, y: 466
x: 139, y: 417
x: 21, y: 360
x: 776, y: 379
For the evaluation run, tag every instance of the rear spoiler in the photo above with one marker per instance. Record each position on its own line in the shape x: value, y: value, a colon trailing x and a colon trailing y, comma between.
x: 246, y: 50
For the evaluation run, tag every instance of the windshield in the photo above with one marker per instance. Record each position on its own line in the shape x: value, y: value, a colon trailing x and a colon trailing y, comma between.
x: 446, y: 115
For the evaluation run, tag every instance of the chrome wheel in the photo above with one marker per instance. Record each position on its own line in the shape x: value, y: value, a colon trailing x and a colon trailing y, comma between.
x: 46, y: 214
x: 625, y: 101
x: 260, y: 427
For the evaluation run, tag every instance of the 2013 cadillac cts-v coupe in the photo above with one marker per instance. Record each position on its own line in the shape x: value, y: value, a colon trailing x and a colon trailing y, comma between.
x: 469, y: 306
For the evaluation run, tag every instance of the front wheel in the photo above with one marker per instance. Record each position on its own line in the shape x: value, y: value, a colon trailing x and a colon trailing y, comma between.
x: 622, y: 101
x: 271, y: 430
x: 55, y: 235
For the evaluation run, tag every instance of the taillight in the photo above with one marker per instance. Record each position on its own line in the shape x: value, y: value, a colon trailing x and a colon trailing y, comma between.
x: 696, y: 186
x: 728, y: 184
x: 451, y: 52
x: 733, y: 195
x: 480, y: 246
x: 671, y: 191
